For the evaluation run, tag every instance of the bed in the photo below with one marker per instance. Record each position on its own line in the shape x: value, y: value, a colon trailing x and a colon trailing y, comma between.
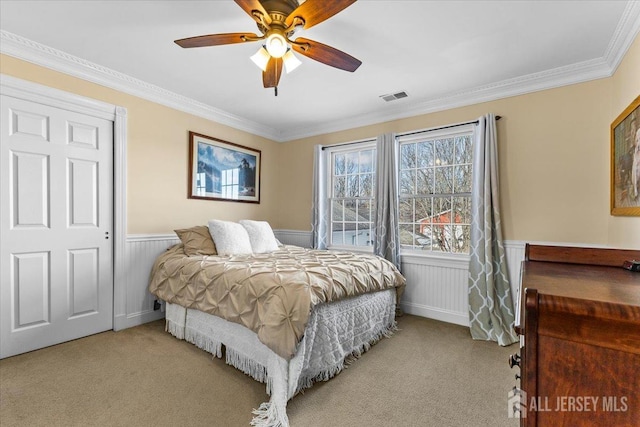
x: 287, y: 316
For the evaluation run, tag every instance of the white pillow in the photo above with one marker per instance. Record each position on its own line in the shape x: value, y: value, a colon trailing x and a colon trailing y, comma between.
x: 261, y: 236
x: 230, y: 238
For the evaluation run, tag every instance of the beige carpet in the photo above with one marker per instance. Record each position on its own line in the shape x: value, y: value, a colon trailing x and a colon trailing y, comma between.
x: 428, y: 374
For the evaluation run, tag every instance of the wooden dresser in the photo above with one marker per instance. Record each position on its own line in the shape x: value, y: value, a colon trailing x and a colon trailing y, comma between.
x: 579, y: 323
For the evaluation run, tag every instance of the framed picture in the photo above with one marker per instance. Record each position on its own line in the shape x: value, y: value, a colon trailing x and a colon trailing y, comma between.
x: 221, y: 170
x: 625, y: 162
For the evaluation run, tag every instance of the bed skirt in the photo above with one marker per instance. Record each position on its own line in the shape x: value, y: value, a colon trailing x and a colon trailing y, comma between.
x: 335, y: 334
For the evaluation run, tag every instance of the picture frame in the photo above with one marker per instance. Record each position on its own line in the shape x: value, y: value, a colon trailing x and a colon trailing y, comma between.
x: 222, y: 170
x: 625, y: 162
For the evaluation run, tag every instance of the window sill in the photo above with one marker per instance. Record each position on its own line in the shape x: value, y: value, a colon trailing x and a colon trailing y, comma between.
x: 364, y: 250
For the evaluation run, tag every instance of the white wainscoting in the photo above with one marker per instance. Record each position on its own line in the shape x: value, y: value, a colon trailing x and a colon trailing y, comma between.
x: 294, y: 237
x: 515, y: 255
x: 140, y: 253
x: 436, y: 287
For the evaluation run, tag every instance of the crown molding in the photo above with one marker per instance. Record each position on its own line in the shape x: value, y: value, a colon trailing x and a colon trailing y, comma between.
x: 626, y: 32
x: 39, y: 54
x: 563, y: 76
x: 624, y: 35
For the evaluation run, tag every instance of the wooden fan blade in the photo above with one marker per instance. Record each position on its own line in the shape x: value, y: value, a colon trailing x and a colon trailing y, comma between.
x: 215, y: 39
x: 315, y: 11
x: 325, y: 54
x: 271, y: 77
x: 250, y: 5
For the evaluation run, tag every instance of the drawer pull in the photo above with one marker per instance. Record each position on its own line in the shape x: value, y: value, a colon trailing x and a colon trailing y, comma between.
x: 514, y: 360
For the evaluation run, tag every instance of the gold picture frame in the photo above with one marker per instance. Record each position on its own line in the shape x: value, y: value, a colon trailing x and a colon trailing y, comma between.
x: 625, y: 162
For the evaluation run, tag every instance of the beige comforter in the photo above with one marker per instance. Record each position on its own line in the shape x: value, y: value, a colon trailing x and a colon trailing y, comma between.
x: 272, y: 294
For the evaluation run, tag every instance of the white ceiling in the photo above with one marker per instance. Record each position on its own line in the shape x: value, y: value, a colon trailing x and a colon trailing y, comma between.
x: 444, y: 54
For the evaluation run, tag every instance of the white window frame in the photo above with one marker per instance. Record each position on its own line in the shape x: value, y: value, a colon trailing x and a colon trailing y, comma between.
x: 355, y: 146
x: 458, y: 130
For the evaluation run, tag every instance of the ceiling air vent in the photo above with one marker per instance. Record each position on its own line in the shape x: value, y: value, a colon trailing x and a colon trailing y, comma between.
x: 394, y: 96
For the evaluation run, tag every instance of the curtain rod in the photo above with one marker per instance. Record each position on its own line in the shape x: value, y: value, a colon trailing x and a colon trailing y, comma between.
x: 349, y: 143
x: 475, y: 122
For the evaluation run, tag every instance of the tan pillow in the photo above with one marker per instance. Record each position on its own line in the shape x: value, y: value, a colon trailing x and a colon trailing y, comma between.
x: 197, y: 241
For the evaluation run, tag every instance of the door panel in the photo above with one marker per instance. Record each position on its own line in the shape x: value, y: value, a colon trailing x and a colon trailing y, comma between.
x: 83, y: 193
x: 83, y: 135
x: 29, y: 124
x: 56, y: 268
x: 29, y: 190
x: 83, y: 282
x: 31, y: 289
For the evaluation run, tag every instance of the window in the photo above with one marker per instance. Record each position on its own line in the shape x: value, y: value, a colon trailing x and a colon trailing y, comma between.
x: 435, y: 190
x: 352, y: 179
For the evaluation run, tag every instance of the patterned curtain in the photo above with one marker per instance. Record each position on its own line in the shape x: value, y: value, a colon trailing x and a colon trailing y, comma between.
x: 319, y: 199
x: 387, y: 239
x: 491, y: 315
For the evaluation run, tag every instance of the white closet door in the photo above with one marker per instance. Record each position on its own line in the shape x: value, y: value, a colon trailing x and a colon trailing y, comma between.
x: 56, y: 191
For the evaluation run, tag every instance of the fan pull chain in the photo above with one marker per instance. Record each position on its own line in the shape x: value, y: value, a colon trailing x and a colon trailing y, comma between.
x: 275, y: 89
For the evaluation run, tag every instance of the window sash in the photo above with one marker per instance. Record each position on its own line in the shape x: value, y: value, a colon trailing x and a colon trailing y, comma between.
x: 441, y: 224
x: 454, y: 195
x: 357, y: 230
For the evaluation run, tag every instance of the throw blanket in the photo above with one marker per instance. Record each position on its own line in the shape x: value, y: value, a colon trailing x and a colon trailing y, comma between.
x: 271, y: 294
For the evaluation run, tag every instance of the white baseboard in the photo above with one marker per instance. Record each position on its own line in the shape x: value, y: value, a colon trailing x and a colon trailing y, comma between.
x: 436, y: 313
x: 137, y: 319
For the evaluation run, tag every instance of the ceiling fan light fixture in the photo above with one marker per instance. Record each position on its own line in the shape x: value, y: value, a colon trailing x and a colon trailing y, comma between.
x: 290, y: 61
x: 277, y: 21
x: 276, y: 45
x: 261, y: 58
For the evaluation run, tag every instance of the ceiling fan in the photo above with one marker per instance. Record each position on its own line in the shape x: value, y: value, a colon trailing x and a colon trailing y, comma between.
x: 277, y: 21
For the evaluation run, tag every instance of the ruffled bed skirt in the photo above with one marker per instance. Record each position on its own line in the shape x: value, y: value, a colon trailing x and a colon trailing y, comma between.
x: 336, y: 334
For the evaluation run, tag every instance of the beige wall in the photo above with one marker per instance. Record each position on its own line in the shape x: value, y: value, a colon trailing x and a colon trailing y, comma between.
x: 554, y: 159
x: 157, y: 157
x: 553, y: 153
x: 625, y: 87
